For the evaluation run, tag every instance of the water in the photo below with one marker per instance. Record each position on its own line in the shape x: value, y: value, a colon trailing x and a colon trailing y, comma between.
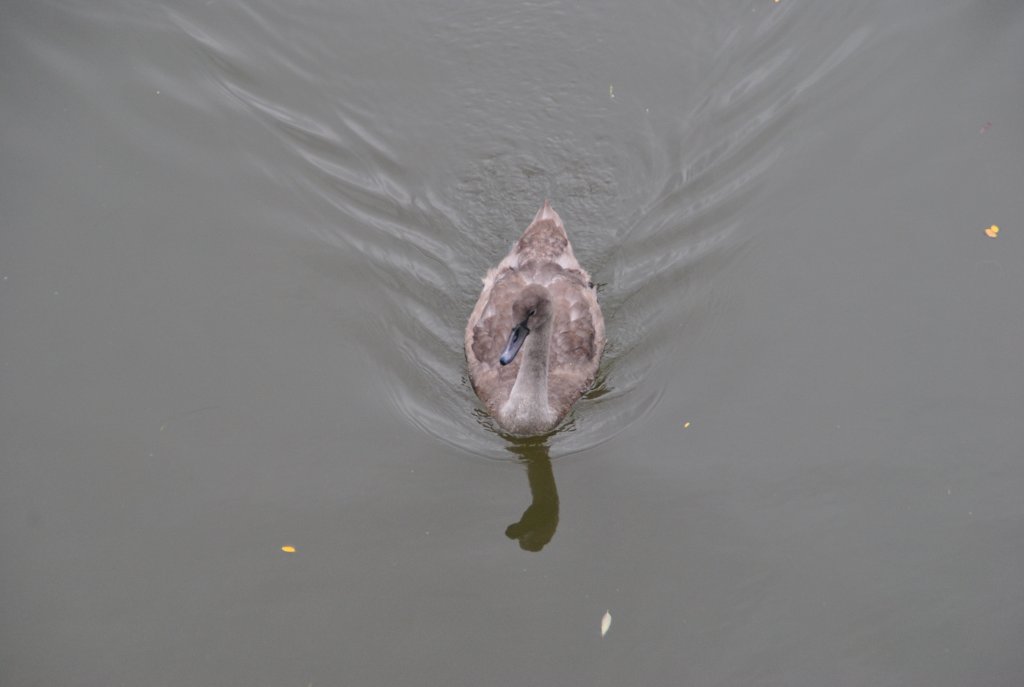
x: 240, y: 244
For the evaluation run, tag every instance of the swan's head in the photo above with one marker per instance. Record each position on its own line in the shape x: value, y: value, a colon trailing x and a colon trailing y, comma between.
x: 532, y: 307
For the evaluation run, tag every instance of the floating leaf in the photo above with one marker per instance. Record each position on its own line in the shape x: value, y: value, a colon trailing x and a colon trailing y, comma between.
x: 992, y: 232
x: 686, y: 424
x: 288, y: 549
x: 606, y: 622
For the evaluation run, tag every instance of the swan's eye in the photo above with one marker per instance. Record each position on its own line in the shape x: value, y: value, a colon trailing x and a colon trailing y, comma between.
x: 532, y: 312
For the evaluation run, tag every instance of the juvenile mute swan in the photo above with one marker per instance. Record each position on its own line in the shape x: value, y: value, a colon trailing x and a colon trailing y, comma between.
x: 535, y: 338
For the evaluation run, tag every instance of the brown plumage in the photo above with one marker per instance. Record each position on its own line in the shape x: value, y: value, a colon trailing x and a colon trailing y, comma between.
x: 535, y: 338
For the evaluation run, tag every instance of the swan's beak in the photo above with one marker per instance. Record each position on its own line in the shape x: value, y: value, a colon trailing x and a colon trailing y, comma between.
x: 515, y: 342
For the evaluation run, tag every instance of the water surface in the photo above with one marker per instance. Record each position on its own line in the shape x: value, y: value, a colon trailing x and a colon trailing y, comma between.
x: 240, y: 244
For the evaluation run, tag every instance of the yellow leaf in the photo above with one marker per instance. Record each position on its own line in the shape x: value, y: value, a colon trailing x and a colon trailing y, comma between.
x: 288, y: 549
x: 992, y: 232
x: 686, y: 424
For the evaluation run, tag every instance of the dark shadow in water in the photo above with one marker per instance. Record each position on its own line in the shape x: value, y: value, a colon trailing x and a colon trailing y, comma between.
x: 538, y: 524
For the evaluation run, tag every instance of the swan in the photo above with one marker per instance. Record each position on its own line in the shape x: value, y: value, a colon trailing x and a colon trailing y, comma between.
x: 535, y: 338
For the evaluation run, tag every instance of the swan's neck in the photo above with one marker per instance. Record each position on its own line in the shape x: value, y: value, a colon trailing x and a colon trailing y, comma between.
x: 527, y: 410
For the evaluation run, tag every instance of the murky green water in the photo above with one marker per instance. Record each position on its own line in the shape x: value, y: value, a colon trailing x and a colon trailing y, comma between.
x: 240, y: 243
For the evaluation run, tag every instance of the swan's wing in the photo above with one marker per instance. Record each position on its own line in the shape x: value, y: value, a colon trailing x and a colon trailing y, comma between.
x: 577, y: 341
x: 486, y: 335
x: 578, y: 336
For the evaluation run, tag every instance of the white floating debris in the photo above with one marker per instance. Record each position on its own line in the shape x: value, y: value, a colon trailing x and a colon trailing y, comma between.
x: 606, y: 622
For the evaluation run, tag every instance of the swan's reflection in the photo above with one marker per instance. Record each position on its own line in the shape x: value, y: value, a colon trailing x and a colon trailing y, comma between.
x: 537, y: 525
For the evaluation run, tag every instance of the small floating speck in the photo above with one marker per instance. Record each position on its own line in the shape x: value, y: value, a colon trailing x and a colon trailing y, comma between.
x: 606, y: 622
x: 288, y: 549
x: 686, y: 424
x: 611, y: 91
x: 992, y: 232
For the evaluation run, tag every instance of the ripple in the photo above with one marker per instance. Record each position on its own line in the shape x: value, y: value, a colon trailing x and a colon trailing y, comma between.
x: 652, y: 208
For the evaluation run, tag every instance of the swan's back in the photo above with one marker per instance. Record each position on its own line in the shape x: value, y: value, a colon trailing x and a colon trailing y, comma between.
x: 543, y: 255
